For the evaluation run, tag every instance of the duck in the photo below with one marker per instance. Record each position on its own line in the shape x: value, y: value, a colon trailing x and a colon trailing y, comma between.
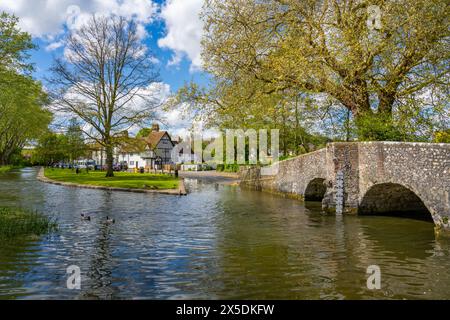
x: 110, y: 221
x: 85, y: 217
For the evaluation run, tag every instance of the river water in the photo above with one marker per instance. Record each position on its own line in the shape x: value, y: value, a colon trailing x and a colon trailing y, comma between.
x: 220, y: 242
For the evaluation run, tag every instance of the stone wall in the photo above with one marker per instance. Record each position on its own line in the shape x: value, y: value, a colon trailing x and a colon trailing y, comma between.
x: 293, y: 176
x: 422, y: 168
x: 342, y: 157
x: 378, y: 177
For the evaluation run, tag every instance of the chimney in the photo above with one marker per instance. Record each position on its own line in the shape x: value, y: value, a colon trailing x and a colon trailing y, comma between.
x: 155, y: 127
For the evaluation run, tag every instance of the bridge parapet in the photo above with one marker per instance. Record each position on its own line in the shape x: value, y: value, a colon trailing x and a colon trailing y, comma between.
x: 293, y: 175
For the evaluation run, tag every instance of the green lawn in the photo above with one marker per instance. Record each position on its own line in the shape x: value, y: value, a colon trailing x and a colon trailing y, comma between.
x: 120, y: 180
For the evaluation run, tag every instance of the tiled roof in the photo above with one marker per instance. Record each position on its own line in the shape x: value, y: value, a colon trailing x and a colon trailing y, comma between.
x: 155, y: 137
x: 132, y: 145
x: 136, y: 145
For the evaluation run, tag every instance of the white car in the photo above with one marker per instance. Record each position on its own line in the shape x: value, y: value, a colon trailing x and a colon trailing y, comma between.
x: 85, y: 164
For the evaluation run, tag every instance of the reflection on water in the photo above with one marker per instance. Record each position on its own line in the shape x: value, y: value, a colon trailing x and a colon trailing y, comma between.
x: 218, y: 242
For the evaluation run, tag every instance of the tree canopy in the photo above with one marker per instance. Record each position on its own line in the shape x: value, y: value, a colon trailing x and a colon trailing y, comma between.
x: 68, y: 147
x: 392, y: 75
x: 23, y: 113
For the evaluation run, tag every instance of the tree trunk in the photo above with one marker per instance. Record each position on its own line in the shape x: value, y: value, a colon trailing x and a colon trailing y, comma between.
x: 109, y: 161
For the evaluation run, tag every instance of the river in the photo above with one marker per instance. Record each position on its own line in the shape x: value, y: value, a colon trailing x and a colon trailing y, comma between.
x: 219, y: 242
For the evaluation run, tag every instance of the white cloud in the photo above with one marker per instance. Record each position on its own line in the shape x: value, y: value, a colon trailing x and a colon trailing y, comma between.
x: 54, y: 45
x: 184, y: 30
x: 48, y: 18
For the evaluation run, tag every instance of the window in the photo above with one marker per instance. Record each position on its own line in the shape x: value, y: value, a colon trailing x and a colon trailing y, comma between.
x: 131, y: 163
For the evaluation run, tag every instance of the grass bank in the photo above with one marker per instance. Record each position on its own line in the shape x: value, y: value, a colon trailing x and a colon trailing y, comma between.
x: 121, y: 179
x: 16, y: 222
x: 4, y: 169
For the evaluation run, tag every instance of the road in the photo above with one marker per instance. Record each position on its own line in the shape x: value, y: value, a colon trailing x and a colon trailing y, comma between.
x: 211, y: 176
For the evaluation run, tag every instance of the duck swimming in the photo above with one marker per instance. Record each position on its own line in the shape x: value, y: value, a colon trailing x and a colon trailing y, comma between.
x: 110, y: 221
x: 85, y: 217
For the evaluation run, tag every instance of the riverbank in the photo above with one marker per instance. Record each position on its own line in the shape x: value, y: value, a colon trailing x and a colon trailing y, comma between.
x: 16, y: 222
x: 5, y: 169
x: 126, y: 182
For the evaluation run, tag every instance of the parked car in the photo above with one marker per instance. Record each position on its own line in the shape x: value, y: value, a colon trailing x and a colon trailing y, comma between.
x: 85, y: 164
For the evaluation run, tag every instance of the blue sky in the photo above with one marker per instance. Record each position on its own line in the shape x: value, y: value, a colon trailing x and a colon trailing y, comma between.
x: 171, y: 29
x: 173, y: 74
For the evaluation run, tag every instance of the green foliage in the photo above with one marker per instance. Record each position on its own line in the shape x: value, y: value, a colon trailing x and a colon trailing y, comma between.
x: 442, y: 136
x: 376, y: 127
x: 145, y: 132
x: 228, y: 168
x: 23, y: 223
x: 75, y: 146
x: 14, y: 45
x: 22, y: 113
x: 53, y: 148
x: 4, y: 169
x: 22, y: 100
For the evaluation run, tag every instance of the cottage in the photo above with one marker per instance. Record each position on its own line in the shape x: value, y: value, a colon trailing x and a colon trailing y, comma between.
x: 150, y: 152
x: 159, y: 147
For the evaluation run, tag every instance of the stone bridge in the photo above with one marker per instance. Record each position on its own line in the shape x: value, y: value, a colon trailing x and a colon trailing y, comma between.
x: 386, y: 178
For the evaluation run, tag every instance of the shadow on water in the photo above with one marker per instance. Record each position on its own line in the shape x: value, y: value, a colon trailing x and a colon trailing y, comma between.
x: 101, y: 267
x: 403, y: 237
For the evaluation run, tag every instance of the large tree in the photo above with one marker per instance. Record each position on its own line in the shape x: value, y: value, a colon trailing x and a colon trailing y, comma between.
x: 51, y: 149
x: 23, y: 116
x: 338, y: 48
x: 104, y: 80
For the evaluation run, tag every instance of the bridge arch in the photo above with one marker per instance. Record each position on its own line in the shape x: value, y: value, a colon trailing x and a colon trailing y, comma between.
x: 315, y: 190
x: 394, y: 199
